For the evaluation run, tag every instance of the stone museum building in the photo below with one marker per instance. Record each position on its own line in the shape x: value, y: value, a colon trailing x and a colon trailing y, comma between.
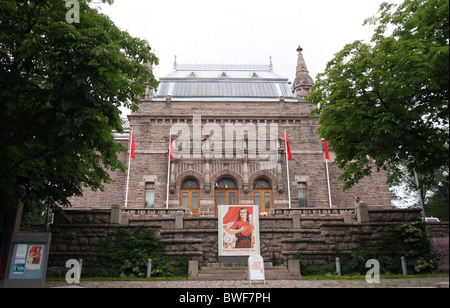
x: 228, y: 125
x: 223, y: 135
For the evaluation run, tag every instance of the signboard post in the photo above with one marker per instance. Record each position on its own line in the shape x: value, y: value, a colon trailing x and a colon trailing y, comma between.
x: 256, y: 268
x: 27, y: 263
x: 238, y: 231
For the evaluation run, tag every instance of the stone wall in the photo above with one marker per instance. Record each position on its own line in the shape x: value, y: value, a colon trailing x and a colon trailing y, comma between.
x: 152, y: 125
x: 76, y: 234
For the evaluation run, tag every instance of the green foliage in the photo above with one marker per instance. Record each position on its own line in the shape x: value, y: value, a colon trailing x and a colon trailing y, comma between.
x: 409, y: 240
x: 384, y: 104
x: 61, y: 86
x: 438, y: 204
x: 127, y: 255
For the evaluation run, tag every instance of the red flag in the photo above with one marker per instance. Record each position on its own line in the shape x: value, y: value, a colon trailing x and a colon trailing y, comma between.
x: 233, y: 213
x: 288, y: 148
x: 133, y: 154
x: 327, y: 154
x: 172, y: 155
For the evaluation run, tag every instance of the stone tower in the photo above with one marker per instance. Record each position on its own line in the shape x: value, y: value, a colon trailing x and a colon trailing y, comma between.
x: 303, y: 82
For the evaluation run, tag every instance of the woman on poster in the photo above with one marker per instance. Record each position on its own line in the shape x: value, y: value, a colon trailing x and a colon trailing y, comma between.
x: 242, y: 229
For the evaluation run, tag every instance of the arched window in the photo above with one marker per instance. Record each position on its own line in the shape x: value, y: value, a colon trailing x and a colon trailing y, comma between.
x: 190, y: 183
x: 226, y: 183
x: 262, y: 183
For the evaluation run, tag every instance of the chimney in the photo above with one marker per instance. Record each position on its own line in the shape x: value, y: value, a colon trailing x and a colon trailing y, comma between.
x: 303, y: 82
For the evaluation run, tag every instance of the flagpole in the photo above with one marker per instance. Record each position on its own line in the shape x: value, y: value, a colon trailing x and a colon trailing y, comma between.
x: 287, y: 168
x: 328, y: 176
x: 168, y: 175
x: 129, y: 166
x: 328, y: 180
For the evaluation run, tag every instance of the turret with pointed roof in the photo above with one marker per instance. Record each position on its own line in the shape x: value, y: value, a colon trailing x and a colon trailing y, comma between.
x: 303, y: 82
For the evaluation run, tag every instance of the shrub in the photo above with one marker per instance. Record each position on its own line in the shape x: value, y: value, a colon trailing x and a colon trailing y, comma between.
x: 127, y: 255
x: 410, y: 240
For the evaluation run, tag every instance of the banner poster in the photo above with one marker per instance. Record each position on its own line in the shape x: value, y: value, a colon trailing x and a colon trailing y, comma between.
x: 238, y: 230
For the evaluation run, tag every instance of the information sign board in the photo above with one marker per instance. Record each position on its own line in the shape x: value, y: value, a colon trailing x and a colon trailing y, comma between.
x: 256, y: 268
x: 27, y: 263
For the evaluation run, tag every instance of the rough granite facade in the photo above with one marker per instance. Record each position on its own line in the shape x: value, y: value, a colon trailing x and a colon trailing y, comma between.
x: 240, y: 96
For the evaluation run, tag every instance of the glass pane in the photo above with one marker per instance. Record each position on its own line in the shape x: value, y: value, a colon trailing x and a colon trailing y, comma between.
x: 302, y: 185
x: 258, y: 199
x: 267, y: 200
x: 185, y: 200
x: 220, y: 198
x: 226, y: 183
x: 232, y: 199
x: 194, y: 201
x: 149, y: 199
x: 261, y: 183
x: 302, y: 199
x: 190, y: 183
x: 149, y: 185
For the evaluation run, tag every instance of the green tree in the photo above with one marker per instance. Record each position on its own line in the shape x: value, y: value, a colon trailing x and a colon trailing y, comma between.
x: 384, y: 104
x: 437, y: 204
x: 61, y: 86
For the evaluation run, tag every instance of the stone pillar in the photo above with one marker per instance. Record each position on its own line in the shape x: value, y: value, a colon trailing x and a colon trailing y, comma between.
x: 245, y: 168
x: 116, y: 213
x: 296, y: 224
x: 347, y: 217
x: 362, y: 212
x: 294, y: 267
x: 193, y: 269
x: 179, y: 217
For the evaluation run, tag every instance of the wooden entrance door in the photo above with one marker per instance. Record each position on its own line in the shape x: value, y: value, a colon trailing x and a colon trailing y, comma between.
x: 263, y: 199
x: 190, y: 196
x: 226, y: 193
x: 262, y: 195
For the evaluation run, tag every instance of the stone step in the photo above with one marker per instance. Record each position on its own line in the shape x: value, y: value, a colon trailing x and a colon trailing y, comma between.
x: 239, y: 271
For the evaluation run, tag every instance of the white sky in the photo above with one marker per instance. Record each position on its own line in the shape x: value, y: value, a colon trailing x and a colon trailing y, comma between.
x: 245, y: 31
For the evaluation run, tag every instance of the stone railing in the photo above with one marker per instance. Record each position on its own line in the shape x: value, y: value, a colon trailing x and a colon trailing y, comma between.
x: 144, y: 212
x: 317, y: 211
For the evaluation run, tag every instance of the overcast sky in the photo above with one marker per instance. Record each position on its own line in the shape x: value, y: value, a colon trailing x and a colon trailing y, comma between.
x: 245, y: 31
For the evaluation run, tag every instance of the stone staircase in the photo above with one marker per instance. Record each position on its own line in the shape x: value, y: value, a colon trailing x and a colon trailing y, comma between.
x: 239, y: 271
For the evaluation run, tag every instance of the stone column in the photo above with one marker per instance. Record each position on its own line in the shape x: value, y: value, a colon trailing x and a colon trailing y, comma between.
x: 362, y: 212
x: 179, y: 219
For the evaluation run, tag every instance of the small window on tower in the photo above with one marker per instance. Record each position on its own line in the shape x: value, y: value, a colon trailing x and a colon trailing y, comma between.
x: 302, y: 194
x: 149, y: 195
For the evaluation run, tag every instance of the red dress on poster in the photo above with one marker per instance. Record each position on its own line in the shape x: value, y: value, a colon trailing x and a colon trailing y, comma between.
x: 242, y: 229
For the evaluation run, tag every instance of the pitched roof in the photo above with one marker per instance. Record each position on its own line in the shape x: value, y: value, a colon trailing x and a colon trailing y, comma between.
x: 223, y: 81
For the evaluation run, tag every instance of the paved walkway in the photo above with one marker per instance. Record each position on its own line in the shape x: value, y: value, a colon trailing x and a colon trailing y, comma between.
x: 431, y: 282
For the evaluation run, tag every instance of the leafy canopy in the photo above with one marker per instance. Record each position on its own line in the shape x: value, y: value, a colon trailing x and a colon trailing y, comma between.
x: 61, y: 86
x: 386, y: 103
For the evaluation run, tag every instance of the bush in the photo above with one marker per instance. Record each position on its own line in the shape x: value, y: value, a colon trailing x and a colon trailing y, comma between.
x: 410, y: 240
x: 440, y: 247
x: 127, y: 256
